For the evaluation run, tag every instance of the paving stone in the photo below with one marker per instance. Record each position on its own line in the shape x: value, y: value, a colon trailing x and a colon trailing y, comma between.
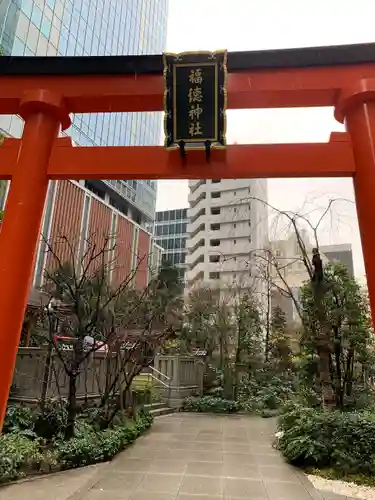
x: 205, y: 469
x: 161, y: 483
x: 119, y: 480
x: 244, y: 488
x: 202, y: 485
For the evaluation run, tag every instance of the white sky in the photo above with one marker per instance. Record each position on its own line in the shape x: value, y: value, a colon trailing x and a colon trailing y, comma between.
x: 272, y: 24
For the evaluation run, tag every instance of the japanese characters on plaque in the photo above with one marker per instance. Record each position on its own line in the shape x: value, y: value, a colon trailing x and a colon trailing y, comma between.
x: 195, y: 99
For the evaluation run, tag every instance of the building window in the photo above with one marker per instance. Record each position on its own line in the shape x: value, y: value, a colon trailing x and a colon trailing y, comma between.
x: 215, y: 227
x: 235, y: 193
x: 234, y: 242
x: 214, y: 243
x: 235, y: 210
x: 214, y: 258
x: 215, y: 181
x: 215, y: 211
x: 214, y: 276
x: 234, y: 225
x: 216, y: 195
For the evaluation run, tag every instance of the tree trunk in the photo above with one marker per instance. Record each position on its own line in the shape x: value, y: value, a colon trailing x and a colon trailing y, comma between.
x: 268, y: 322
x: 72, y: 395
x: 237, y: 362
x: 328, y: 394
x: 339, y: 382
x: 46, y: 378
x: 324, y: 349
x: 72, y: 406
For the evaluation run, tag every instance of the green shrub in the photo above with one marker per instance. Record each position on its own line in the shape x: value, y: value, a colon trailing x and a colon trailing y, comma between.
x: 19, y: 419
x: 264, y: 390
x: 344, y: 441
x: 22, y: 452
x: 307, y: 435
x: 217, y: 392
x: 142, y: 395
x: 267, y: 413
x: 210, y: 404
x: 20, y: 456
x: 92, y: 447
x: 52, y: 421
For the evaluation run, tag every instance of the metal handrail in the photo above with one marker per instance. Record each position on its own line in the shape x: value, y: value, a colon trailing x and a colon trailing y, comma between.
x: 167, y: 385
x: 160, y: 373
x: 158, y: 380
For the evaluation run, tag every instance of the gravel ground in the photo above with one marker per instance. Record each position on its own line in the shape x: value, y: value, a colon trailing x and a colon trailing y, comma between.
x: 343, y: 488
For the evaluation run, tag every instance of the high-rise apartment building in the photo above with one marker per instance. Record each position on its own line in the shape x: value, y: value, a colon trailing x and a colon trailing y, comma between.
x: 171, y: 234
x: 227, y: 222
x: 91, y: 28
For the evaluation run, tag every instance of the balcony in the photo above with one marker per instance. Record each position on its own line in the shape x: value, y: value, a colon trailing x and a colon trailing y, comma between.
x: 199, y: 214
x: 198, y: 228
x: 195, y: 245
x: 196, y: 185
x: 193, y: 195
x: 197, y: 261
x: 194, y: 202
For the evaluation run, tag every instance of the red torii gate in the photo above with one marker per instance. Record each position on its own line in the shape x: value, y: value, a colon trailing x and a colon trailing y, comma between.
x: 45, y: 90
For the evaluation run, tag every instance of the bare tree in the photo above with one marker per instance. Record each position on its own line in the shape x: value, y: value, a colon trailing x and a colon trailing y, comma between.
x: 322, y: 330
x: 94, y: 314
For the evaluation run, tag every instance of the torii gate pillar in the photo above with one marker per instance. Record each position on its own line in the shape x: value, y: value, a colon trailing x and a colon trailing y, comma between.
x: 356, y: 108
x: 44, y: 113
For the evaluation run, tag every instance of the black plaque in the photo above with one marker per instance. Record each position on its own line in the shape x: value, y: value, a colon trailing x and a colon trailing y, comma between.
x: 195, y: 99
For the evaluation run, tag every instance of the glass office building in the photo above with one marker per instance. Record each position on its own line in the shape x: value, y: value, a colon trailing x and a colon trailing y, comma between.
x: 171, y: 235
x: 90, y: 28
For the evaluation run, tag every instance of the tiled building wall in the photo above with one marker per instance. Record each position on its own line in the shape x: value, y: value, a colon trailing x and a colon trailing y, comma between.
x: 143, y: 249
x: 75, y: 221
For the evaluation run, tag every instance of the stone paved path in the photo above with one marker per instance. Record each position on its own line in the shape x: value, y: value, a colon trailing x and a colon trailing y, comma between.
x: 188, y: 457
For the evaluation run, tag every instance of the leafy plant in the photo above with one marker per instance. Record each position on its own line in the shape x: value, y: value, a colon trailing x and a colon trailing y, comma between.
x: 53, y: 420
x: 93, y: 447
x: 265, y: 390
x: 343, y: 441
x: 22, y: 452
x: 20, y: 455
x: 210, y: 404
x: 20, y: 420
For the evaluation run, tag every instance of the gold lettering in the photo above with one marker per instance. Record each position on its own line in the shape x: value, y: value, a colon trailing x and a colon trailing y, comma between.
x: 196, y: 76
x: 195, y: 129
x: 195, y: 111
x: 195, y: 94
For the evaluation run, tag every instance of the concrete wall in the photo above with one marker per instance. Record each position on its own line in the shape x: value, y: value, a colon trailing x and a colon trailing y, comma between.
x: 33, y: 370
x: 179, y: 376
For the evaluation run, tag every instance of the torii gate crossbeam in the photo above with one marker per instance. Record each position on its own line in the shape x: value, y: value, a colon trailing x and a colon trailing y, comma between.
x: 44, y: 91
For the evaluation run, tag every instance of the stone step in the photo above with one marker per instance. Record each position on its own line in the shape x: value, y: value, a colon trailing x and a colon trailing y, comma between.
x: 155, y: 406
x: 157, y: 412
x: 158, y: 409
